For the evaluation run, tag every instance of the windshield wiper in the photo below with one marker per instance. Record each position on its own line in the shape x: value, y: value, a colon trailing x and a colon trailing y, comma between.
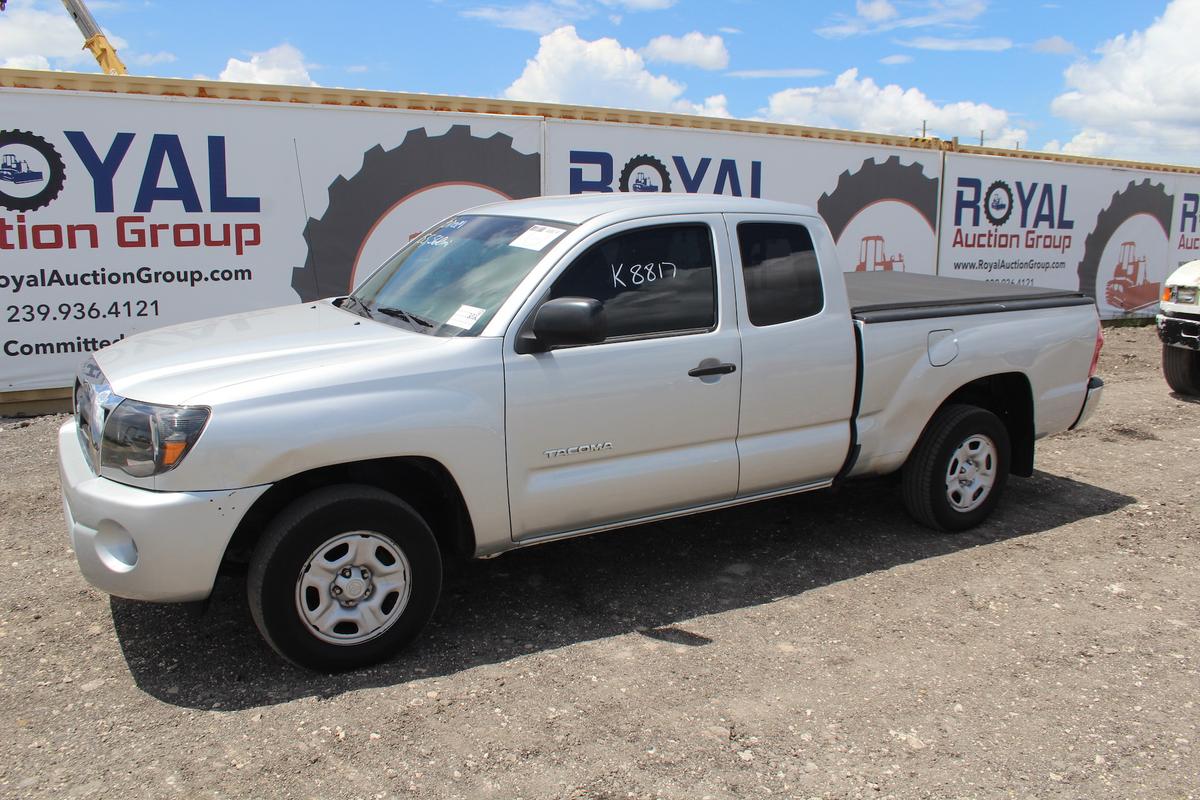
x: 352, y: 300
x: 407, y: 316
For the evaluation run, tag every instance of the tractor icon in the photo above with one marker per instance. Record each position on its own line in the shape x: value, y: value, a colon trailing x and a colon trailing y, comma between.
x: 872, y: 258
x: 15, y: 170
x: 642, y: 182
x: 1130, y: 289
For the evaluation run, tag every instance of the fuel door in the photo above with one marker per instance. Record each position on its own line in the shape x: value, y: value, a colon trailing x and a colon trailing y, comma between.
x: 943, y: 347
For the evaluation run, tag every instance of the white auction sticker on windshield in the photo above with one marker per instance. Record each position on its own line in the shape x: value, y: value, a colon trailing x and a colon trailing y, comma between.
x: 465, y: 317
x: 536, y: 237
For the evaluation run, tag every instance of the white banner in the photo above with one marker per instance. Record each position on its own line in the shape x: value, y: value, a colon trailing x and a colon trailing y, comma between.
x: 122, y: 214
x: 1106, y: 232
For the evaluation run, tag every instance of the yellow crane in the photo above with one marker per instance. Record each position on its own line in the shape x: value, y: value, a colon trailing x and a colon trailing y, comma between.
x: 94, y: 39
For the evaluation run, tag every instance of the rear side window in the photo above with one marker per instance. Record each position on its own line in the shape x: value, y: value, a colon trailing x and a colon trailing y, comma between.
x: 651, y: 281
x: 780, y: 271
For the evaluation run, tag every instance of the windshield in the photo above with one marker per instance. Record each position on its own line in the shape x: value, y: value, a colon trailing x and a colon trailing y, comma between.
x: 451, y: 280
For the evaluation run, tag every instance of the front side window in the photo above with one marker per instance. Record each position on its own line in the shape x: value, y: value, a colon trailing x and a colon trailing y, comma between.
x: 451, y: 280
x: 651, y: 281
x: 780, y: 272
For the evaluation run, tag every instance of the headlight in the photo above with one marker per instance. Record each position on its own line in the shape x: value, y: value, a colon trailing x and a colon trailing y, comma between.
x: 144, y: 439
x: 1179, y: 294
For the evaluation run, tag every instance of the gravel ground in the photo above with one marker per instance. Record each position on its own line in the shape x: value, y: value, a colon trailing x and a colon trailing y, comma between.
x: 817, y: 646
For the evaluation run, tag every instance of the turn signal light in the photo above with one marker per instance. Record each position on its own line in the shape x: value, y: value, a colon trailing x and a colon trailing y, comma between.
x: 173, y: 451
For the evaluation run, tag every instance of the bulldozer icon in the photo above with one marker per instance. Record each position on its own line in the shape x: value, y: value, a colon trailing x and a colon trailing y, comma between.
x: 872, y: 257
x: 15, y: 170
x: 1130, y: 288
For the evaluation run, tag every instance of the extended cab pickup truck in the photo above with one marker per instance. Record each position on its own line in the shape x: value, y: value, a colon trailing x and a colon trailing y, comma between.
x: 1178, y: 321
x: 545, y: 368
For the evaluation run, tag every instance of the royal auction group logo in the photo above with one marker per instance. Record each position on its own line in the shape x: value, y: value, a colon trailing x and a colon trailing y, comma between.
x: 31, y: 171
x: 998, y: 203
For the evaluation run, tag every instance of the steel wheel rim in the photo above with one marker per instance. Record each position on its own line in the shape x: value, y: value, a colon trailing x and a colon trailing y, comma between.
x: 971, y: 473
x: 353, y: 588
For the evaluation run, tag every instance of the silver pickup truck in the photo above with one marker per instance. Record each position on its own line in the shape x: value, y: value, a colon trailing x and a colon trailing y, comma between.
x: 539, y: 369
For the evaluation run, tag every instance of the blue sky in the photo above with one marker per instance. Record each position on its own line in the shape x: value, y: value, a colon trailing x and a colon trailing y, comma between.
x: 1096, y: 78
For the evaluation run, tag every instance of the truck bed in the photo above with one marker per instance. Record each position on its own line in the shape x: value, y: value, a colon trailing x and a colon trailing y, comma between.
x: 894, y: 296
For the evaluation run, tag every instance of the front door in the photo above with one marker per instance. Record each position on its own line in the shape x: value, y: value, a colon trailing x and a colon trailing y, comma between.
x: 618, y: 430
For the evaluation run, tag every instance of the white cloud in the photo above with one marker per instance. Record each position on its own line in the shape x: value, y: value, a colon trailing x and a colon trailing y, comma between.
x: 544, y: 16
x: 877, y: 16
x: 1140, y: 98
x: 694, y: 49
x: 898, y: 58
x: 715, y: 106
x: 150, y: 59
x: 1055, y: 45
x: 796, y: 72
x: 568, y: 69
x: 992, y: 44
x: 729, y: 30
x: 282, y: 64
x: 26, y: 62
x: 640, y: 5
x: 861, y: 104
x: 358, y: 68
x: 876, y: 10
x: 535, y: 17
x: 40, y: 35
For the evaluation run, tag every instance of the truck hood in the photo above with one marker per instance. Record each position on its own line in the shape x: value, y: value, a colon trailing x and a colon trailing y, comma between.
x: 1187, y: 275
x: 176, y: 364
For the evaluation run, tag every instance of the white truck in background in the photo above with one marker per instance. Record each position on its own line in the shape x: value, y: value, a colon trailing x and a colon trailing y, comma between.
x: 538, y: 369
x: 1178, y: 321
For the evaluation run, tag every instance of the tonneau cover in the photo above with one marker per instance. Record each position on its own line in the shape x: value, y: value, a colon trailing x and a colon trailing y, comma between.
x: 890, y: 296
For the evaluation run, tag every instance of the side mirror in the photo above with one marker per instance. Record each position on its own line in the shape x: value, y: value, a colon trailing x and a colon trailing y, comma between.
x: 565, y: 321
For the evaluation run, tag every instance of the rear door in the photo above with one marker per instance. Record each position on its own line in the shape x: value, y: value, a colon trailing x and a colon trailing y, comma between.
x: 798, y: 355
x: 607, y: 432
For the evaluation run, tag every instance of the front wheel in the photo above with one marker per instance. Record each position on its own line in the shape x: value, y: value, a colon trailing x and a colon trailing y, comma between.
x: 1181, y: 367
x: 955, y: 475
x: 344, y: 577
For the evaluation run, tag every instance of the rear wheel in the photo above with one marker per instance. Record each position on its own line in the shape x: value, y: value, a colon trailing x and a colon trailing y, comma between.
x: 955, y: 475
x: 1181, y: 367
x: 344, y: 577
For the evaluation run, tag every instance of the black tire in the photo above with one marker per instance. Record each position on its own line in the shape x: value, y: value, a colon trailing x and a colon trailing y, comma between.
x: 873, y: 183
x: 1181, y: 368
x: 923, y: 478
x: 296, y: 533
x: 644, y: 161
x: 54, y: 181
x: 1136, y: 198
x: 387, y: 177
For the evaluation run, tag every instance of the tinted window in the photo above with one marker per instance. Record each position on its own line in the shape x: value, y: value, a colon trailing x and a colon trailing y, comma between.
x: 652, y: 280
x: 779, y: 268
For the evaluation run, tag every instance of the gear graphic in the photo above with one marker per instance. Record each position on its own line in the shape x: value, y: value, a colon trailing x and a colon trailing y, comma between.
x: 1136, y: 198
x: 387, y: 177
x: 54, y: 181
x: 645, y: 161
x: 875, y: 182
x: 998, y: 219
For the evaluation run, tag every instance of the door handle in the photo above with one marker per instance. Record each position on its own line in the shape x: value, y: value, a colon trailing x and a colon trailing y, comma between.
x: 708, y: 367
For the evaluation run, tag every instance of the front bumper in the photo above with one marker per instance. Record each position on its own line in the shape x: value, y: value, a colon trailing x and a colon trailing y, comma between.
x: 1179, y: 331
x: 1091, y: 401
x: 131, y: 542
